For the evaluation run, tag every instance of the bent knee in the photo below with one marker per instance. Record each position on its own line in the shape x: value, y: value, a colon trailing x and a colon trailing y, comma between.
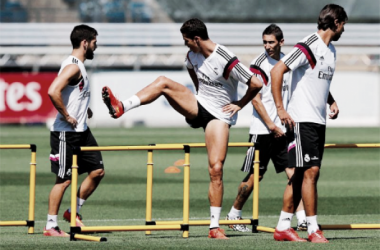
x: 99, y: 173
x: 62, y: 182
x: 162, y: 81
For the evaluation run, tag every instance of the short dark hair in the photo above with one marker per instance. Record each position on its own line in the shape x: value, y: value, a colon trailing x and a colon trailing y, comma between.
x: 329, y: 14
x: 80, y: 33
x: 273, y: 29
x: 194, y: 27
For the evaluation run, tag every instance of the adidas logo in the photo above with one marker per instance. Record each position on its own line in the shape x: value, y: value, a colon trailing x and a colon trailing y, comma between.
x: 285, y: 219
x: 51, y: 220
x: 321, y: 58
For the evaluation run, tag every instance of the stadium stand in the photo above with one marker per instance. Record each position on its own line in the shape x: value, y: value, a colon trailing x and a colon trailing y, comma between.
x: 42, y: 45
x: 12, y: 12
x: 290, y: 11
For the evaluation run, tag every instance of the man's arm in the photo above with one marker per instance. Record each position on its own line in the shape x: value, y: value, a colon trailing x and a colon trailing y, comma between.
x: 258, y: 105
x: 254, y: 86
x: 277, y: 74
x: 89, y: 113
x: 194, y: 77
x: 69, y: 73
x: 334, y: 110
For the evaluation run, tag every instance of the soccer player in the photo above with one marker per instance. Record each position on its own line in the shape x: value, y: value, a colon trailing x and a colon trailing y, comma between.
x: 216, y: 73
x: 266, y: 127
x: 70, y: 95
x: 312, y: 61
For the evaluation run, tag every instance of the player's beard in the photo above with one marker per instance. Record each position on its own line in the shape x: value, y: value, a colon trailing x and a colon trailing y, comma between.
x: 336, y: 37
x: 89, y: 54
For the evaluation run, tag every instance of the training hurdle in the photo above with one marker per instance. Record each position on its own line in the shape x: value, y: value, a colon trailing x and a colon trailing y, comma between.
x: 351, y: 226
x: 149, y: 224
x: 254, y: 222
x: 32, y: 188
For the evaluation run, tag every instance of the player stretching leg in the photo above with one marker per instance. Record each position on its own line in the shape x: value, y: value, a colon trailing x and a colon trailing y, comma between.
x: 215, y: 72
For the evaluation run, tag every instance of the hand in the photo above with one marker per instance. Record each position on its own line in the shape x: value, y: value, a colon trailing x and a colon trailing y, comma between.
x: 285, y: 118
x: 334, y: 111
x: 89, y: 113
x: 71, y: 120
x: 277, y: 132
x: 231, y: 108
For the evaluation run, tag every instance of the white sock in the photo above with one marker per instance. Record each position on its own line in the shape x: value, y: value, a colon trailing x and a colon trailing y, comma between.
x: 301, y: 216
x: 312, y: 224
x: 215, y: 215
x: 285, y: 220
x: 80, y: 203
x: 132, y: 102
x: 51, y: 221
x: 234, y: 213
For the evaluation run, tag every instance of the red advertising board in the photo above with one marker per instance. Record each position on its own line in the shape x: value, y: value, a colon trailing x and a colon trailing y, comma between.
x: 24, y: 98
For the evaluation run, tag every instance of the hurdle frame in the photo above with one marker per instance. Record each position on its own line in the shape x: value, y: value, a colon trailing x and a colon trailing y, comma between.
x: 185, y: 223
x: 351, y: 226
x: 32, y: 187
x: 152, y: 225
x: 255, y: 221
x: 75, y: 231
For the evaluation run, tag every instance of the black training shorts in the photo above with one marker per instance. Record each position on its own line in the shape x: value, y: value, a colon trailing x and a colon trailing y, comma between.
x: 271, y: 148
x: 61, y: 154
x: 202, y: 119
x: 308, y: 146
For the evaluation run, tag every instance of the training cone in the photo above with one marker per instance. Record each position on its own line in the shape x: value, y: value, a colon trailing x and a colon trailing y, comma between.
x: 180, y: 162
x: 172, y: 170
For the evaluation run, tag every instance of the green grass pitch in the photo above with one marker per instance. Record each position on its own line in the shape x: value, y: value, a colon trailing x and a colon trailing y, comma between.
x: 349, y: 192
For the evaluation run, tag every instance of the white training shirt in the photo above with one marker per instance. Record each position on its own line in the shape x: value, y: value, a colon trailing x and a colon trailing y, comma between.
x: 313, y: 66
x: 76, y: 99
x: 261, y: 67
x: 218, y: 76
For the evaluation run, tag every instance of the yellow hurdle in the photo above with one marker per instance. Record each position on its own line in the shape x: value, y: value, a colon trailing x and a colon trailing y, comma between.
x: 32, y: 188
x: 367, y: 145
x: 350, y: 226
x: 150, y: 225
x: 185, y: 223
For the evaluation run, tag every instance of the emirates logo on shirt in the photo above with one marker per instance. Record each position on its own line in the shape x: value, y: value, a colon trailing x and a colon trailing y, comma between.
x: 326, y: 76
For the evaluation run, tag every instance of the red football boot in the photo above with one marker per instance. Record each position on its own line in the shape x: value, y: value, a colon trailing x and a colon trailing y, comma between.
x: 114, y: 106
x: 287, y: 235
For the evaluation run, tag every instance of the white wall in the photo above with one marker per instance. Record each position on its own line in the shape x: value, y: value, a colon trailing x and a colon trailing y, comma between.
x: 357, y: 95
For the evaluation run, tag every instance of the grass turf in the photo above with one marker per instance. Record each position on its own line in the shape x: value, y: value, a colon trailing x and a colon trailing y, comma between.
x: 349, y: 192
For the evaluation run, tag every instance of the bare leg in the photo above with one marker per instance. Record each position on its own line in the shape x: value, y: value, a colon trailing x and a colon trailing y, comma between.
x: 309, y: 190
x: 244, y: 191
x: 289, y: 173
x: 292, y: 194
x: 216, y: 134
x: 89, y: 184
x: 179, y: 97
x: 56, y: 194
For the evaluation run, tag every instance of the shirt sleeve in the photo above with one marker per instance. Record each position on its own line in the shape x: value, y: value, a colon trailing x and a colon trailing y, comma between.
x: 299, y: 56
x: 259, y: 73
x: 237, y: 71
